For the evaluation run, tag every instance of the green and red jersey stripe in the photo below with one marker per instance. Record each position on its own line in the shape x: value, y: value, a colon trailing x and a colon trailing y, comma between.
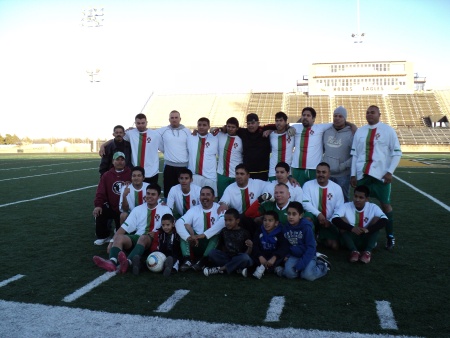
x: 227, y: 155
x: 282, y: 148
x: 359, y: 219
x: 245, y: 198
x: 150, y: 220
x: 138, y: 197
x: 304, y: 140
x: 206, y: 220
x: 323, y: 201
x: 186, y: 203
x: 369, y: 150
x: 141, y: 149
x: 200, y: 156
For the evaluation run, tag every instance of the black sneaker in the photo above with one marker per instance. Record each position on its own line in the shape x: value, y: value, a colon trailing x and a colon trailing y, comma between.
x: 390, y: 242
x: 186, y: 265
x: 168, y: 264
x: 200, y: 264
x: 136, y: 265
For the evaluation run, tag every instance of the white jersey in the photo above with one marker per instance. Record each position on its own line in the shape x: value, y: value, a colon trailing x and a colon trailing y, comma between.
x: 308, y: 145
x: 359, y: 218
x: 282, y: 146
x: 202, y: 221
x: 181, y: 202
x: 143, y: 220
x: 241, y: 198
x: 296, y: 192
x: 325, y: 200
x: 144, y: 150
x: 230, y: 154
x: 134, y: 198
x: 203, y: 155
x: 174, y: 145
x: 373, y: 149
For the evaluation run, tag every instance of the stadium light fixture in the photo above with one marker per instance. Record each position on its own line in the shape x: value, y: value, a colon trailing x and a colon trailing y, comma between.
x: 358, y: 37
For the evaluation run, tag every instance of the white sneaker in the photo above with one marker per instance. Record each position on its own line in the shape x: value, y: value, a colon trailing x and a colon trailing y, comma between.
x: 102, y: 241
x: 259, y: 272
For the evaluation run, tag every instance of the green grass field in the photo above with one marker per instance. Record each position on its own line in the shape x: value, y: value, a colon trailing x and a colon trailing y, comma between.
x: 48, y: 232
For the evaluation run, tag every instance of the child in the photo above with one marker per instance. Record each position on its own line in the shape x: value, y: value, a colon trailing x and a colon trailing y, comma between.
x: 234, y: 246
x: 169, y: 244
x: 302, y: 251
x: 269, y: 245
x: 359, y: 223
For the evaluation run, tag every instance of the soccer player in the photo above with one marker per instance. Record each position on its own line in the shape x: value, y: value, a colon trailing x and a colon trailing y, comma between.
x: 184, y: 195
x: 376, y: 153
x: 233, y: 248
x: 282, y: 144
x: 107, y: 198
x: 230, y: 155
x: 174, y: 146
x: 203, y: 149
x: 321, y: 197
x: 132, y: 195
x: 206, y: 223
x: 282, y: 172
x: 115, y: 145
x: 359, y: 222
x: 303, y: 261
x: 337, y: 143
x: 137, y: 233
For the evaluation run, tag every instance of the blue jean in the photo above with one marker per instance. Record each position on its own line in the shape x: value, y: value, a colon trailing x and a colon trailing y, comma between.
x: 315, y: 269
x: 231, y: 263
x: 344, y: 183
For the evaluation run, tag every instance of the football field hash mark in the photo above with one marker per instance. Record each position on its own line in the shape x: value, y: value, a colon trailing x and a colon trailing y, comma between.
x: 9, y: 280
x: 275, y: 308
x: 88, y: 287
x: 386, y: 315
x: 172, y: 301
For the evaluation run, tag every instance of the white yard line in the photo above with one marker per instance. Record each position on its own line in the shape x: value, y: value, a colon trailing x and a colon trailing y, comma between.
x: 9, y: 280
x: 172, y: 301
x: 88, y: 287
x: 275, y: 309
x: 386, y: 316
x: 56, y: 173
x: 446, y: 207
x: 47, y: 196
x: 47, y: 165
x: 35, y: 320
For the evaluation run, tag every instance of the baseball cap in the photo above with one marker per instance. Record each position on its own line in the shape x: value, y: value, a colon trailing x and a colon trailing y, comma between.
x: 118, y: 154
x: 252, y: 117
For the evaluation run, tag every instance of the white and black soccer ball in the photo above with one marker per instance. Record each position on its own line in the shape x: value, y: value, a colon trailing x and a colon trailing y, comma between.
x: 155, y: 261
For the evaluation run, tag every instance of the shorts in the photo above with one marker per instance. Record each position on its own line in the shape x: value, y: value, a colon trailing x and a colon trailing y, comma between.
x: 378, y: 190
x: 303, y: 175
x: 222, y: 183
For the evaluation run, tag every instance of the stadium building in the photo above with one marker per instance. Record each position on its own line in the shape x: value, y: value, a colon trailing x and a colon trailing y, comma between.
x: 419, y: 116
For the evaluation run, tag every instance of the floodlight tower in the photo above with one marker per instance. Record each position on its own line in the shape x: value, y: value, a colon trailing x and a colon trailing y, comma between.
x: 93, y: 18
x: 358, y: 37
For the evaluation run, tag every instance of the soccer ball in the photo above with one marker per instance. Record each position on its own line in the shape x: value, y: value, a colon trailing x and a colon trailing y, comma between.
x: 155, y: 261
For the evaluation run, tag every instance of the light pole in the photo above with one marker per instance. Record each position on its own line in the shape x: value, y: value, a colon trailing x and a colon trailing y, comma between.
x: 358, y: 37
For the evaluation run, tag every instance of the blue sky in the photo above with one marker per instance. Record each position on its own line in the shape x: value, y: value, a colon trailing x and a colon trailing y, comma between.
x: 191, y: 46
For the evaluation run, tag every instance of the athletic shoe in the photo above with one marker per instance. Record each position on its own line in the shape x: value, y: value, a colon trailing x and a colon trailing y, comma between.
x: 186, y: 265
x: 123, y: 261
x: 259, y: 272
x: 102, y: 241
x: 168, y: 264
x: 323, y: 258
x: 354, y: 256
x: 105, y: 264
x: 136, y: 264
x: 212, y: 271
x: 279, y: 271
x: 242, y: 272
x: 199, y: 266
x: 365, y: 257
x: 390, y: 242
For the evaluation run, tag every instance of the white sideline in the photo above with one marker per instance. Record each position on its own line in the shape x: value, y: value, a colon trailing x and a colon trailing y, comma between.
x: 47, y: 196
x: 386, y: 315
x: 88, y: 287
x: 446, y: 207
x: 46, y: 165
x: 275, y: 309
x: 9, y: 280
x: 35, y: 320
x: 59, y: 172
x: 172, y: 301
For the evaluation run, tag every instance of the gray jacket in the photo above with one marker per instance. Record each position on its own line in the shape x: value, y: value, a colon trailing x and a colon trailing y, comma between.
x: 337, y: 145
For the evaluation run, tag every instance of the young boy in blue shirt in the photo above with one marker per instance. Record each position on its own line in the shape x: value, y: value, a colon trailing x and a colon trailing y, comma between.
x: 303, y: 260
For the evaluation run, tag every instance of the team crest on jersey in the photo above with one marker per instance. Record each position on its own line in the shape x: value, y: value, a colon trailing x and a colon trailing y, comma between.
x: 288, y: 139
x: 157, y: 217
x: 251, y: 195
x: 330, y: 196
x: 207, y: 144
x: 194, y: 202
x: 377, y: 136
x: 149, y: 139
x: 366, y: 219
x: 311, y: 132
x: 213, y: 220
x: 116, y: 187
x: 235, y: 145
